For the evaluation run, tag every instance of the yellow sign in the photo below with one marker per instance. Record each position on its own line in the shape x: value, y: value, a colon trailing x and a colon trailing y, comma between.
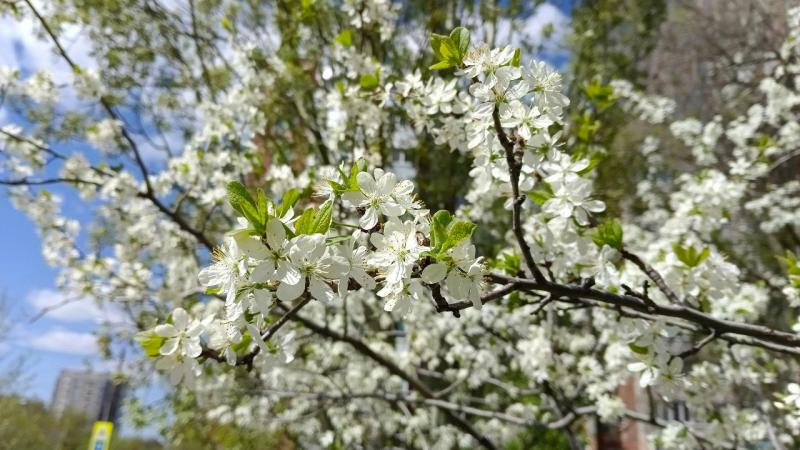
x: 101, y: 436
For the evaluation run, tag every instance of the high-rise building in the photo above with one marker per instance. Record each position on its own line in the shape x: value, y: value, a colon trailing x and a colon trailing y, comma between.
x: 93, y: 394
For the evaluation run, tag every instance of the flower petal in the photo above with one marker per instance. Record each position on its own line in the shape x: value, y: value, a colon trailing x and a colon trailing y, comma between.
x: 169, y: 347
x: 166, y: 330
x: 287, y: 292
x: 250, y: 246
x: 180, y: 318
x: 276, y: 234
x: 434, y: 273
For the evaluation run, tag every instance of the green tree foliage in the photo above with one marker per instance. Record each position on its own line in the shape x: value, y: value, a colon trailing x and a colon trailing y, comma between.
x: 611, y: 39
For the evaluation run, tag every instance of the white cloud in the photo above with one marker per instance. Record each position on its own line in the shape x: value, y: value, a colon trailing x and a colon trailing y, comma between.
x: 64, y: 341
x: 68, y: 309
x: 530, y: 30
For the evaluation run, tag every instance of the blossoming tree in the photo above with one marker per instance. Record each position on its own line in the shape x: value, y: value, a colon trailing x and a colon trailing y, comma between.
x: 318, y: 295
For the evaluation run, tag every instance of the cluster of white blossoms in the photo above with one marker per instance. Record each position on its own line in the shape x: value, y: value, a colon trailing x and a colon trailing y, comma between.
x: 336, y: 286
x: 278, y: 256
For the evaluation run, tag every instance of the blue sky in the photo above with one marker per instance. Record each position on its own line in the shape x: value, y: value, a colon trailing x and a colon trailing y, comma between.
x: 63, y: 338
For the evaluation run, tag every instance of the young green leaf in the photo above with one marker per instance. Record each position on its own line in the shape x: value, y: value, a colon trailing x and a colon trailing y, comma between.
x: 324, y: 216
x: 243, y: 203
x: 460, y: 37
x: 540, y: 196
x: 150, y: 342
x: 690, y: 256
x: 368, y: 82
x: 238, y: 195
x: 516, y: 60
x: 439, y: 223
x: 352, y: 179
x: 457, y: 232
x: 261, y: 206
x: 345, y: 37
x: 305, y: 223
x: 441, y: 65
x: 609, y: 233
x: 288, y: 201
x: 338, y: 188
x: 638, y: 349
x: 436, y: 45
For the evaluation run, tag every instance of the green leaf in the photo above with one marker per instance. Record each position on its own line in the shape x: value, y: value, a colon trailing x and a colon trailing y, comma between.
x: 322, y: 221
x: 288, y: 201
x: 226, y: 24
x: 352, y: 180
x: 305, y: 223
x: 601, y: 94
x: 511, y: 263
x: 439, y: 223
x: 436, y: 45
x: 338, y: 188
x: 540, y: 196
x: 704, y: 254
x: 609, y: 233
x: 447, y: 233
x: 345, y: 37
x: 792, y: 268
x: 243, y: 203
x: 460, y: 38
x: 238, y: 195
x: 441, y: 65
x: 242, y: 345
x: 457, y: 232
x: 638, y: 349
x: 593, y: 161
x: 516, y: 60
x: 368, y: 82
x: 337, y: 240
x: 150, y: 342
x: 261, y: 205
x: 690, y: 256
x: 449, y: 51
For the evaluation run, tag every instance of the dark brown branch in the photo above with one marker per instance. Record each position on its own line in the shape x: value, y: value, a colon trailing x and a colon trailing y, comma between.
x: 33, y: 143
x: 29, y: 182
x: 514, y: 167
x: 283, y: 320
x: 653, y: 274
x: 494, y: 295
x: 731, y: 339
x: 441, y: 302
x: 720, y: 326
x: 693, y: 350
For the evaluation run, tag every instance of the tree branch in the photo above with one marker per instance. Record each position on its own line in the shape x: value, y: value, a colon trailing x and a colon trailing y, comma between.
x: 413, y: 381
x: 29, y: 182
x: 653, y: 274
x: 150, y: 193
x: 516, y: 200
x: 720, y: 326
